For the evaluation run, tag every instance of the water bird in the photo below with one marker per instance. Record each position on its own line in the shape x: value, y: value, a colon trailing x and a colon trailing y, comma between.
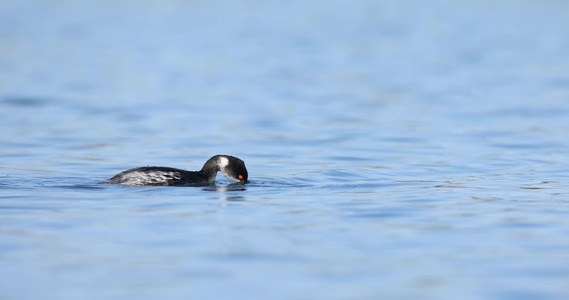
x: 230, y: 166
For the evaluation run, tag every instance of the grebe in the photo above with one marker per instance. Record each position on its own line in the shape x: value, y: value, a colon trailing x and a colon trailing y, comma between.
x: 231, y: 167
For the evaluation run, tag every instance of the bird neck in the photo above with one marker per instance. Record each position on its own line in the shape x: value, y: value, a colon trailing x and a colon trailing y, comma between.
x: 212, y: 166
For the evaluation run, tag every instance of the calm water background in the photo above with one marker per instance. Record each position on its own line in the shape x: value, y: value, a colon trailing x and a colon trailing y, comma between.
x: 396, y: 149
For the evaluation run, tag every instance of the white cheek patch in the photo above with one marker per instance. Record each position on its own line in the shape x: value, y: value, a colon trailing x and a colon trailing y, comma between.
x: 223, y: 162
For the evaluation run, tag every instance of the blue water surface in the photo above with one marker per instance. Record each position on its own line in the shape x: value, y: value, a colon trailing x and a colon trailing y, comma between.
x: 396, y: 149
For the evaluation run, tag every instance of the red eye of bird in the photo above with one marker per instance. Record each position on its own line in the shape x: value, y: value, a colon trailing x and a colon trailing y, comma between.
x: 240, y: 176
